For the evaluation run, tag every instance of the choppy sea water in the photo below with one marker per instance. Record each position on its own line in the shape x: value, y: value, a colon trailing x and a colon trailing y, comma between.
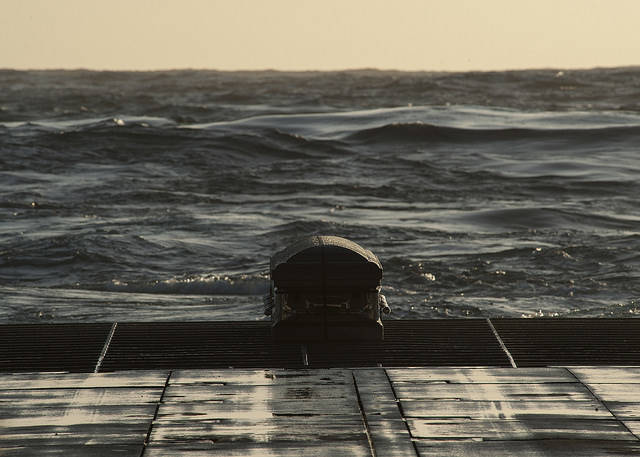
x: 161, y: 195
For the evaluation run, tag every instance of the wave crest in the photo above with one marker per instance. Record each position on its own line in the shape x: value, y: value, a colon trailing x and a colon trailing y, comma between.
x: 195, y: 285
x: 424, y: 132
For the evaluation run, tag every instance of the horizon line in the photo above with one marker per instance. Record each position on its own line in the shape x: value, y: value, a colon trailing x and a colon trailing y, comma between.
x: 338, y: 70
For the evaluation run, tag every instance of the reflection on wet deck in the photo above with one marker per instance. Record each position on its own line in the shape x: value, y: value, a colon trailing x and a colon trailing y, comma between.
x: 551, y: 411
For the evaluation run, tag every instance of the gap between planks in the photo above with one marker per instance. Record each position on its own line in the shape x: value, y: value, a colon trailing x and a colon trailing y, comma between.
x: 399, y: 406
x: 155, y: 415
x: 602, y: 402
x: 363, y: 414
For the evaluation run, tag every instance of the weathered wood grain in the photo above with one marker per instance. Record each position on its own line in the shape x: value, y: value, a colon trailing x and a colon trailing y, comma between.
x: 634, y: 426
x: 72, y: 450
x: 624, y: 393
x: 49, y: 380
x: 11, y: 417
x: 265, y: 377
x: 208, y: 448
x: 238, y: 408
x: 68, y: 397
x: 522, y: 429
x: 268, y: 412
x: 94, y: 414
x: 308, y: 412
x: 533, y: 448
x: 517, y: 409
x: 252, y: 394
x: 480, y: 375
x: 493, y: 392
x: 39, y: 434
x: 607, y: 375
x: 387, y: 429
x: 624, y: 410
x: 276, y: 429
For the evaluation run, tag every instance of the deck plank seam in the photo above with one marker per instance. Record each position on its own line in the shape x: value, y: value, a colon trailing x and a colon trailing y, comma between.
x: 404, y: 417
x: 502, y: 345
x: 304, y: 350
x: 105, y: 347
x: 155, y: 414
x: 602, y: 402
x: 363, y: 414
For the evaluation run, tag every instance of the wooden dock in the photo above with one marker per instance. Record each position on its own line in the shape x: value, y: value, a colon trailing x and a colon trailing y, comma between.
x: 553, y: 411
x: 432, y: 388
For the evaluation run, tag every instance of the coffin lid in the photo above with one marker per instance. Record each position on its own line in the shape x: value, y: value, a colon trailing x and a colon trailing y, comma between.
x: 329, y: 249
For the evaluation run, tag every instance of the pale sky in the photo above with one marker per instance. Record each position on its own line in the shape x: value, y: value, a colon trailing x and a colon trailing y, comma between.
x: 433, y: 35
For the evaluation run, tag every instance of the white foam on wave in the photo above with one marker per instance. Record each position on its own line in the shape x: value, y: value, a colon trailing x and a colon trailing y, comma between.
x: 196, y: 285
x: 338, y: 124
x: 90, y: 122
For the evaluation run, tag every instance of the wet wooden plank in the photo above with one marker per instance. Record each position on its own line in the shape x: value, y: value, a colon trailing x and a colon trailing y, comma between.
x: 376, y: 395
x: 24, y: 416
x: 624, y: 393
x: 206, y: 448
x: 68, y: 397
x: 267, y: 412
x: 70, y: 450
x: 292, y: 429
x: 617, y: 387
x: 624, y: 410
x: 316, y: 412
x: 255, y: 394
x: 125, y: 433
x: 391, y: 437
x: 387, y: 429
x: 67, y: 411
x: 537, y: 448
x: 493, y: 392
x: 607, y: 375
x: 634, y: 426
x: 519, y: 409
x: 22, y: 381
x: 481, y: 375
x: 529, y: 429
x: 264, y: 377
x: 258, y: 394
x: 239, y: 408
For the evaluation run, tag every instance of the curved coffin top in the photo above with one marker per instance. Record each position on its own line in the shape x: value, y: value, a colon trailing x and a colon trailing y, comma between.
x: 325, y: 262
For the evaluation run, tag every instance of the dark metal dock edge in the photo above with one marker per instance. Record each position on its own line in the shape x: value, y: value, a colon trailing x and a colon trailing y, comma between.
x: 105, y: 347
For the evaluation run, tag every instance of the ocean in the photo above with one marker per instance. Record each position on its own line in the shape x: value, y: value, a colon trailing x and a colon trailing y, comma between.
x: 155, y: 196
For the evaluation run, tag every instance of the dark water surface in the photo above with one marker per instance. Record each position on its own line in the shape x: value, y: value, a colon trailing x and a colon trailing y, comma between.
x: 161, y: 195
